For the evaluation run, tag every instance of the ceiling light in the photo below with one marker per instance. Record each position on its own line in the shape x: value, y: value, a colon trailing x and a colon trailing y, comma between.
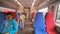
x: 19, y: 3
x: 34, y: 0
x: 43, y: 3
x: 15, y: 0
x: 32, y: 3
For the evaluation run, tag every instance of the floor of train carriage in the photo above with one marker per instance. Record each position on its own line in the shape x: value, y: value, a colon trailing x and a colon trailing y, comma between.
x: 28, y: 29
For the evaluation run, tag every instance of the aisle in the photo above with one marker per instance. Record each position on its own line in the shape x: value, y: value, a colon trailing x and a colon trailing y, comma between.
x: 28, y: 29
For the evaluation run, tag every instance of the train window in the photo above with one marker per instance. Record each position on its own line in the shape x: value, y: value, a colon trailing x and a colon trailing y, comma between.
x: 1, y: 9
x: 58, y: 15
x: 44, y: 10
x: 59, y: 6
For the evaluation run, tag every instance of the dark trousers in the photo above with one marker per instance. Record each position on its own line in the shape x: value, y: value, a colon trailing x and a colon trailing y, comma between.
x: 1, y: 33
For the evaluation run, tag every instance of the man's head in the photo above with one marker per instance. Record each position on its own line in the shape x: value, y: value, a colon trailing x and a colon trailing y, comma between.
x: 9, y: 16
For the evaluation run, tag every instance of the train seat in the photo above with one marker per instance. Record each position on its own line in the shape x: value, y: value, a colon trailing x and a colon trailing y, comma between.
x: 2, y: 18
x: 39, y: 24
x: 50, y: 24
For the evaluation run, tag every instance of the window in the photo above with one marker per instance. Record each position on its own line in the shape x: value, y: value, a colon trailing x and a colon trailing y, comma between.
x: 44, y: 10
x: 58, y: 15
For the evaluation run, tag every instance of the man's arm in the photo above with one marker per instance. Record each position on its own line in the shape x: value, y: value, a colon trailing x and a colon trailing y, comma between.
x: 15, y: 27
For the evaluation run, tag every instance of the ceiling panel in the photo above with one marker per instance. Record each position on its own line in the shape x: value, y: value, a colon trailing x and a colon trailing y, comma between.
x: 8, y: 4
x: 38, y: 2
x: 26, y: 3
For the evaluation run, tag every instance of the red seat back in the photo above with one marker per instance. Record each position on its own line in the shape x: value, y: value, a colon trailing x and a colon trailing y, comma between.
x: 50, y: 23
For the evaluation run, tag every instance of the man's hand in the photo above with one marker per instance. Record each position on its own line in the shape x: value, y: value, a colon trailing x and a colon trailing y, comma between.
x: 7, y: 33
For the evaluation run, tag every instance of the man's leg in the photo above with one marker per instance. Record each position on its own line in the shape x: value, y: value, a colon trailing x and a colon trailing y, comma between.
x: 1, y: 33
x: 22, y: 24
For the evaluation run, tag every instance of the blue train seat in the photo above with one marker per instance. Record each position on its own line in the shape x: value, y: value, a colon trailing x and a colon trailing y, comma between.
x: 2, y: 18
x: 39, y: 24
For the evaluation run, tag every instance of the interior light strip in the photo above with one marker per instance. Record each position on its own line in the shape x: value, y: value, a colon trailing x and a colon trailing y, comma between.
x: 33, y: 2
x: 18, y: 2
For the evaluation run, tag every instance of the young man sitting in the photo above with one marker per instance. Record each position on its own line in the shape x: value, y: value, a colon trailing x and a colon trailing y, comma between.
x: 10, y: 25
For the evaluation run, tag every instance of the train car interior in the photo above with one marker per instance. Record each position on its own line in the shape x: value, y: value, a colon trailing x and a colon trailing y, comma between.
x: 32, y: 16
